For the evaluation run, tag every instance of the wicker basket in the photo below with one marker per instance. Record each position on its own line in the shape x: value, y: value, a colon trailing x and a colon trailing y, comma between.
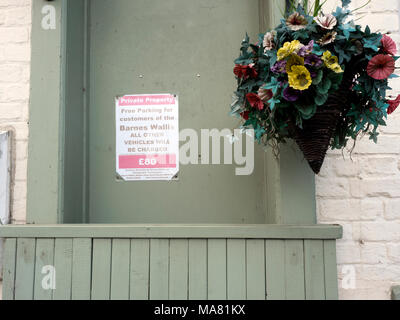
x: 315, y: 137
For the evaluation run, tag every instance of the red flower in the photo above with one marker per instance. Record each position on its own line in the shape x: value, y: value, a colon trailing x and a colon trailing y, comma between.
x: 255, y: 101
x: 388, y: 45
x: 393, y: 104
x: 381, y: 67
x: 245, y: 72
x: 245, y: 115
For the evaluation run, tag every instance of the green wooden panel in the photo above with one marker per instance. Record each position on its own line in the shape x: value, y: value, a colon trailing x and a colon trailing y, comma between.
x: 395, y: 294
x: 236, y: 269
x: 81, y: 268
x: 73, y: 113
x: 217, y: 269
x: 44, y: 257
x: 140, y: 265
x: 275, y: 266
x: 294, y: 270
x: 197, y: 269
x: 119, y: 55
x: 314, y: 269
x: 159, y: 269
x: 63, y: 265
x: 331, y: 280
x: 45, y: 133
x: 25, y: 274
x: 255, y: 269
x: 120, y: 269
x: 101, y: 269
x: 9, y: 259
x: 185, y: 231
x: 178, y: 269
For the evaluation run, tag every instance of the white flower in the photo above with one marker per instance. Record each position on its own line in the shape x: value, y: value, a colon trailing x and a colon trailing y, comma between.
x: 269, y: 41
x: 327, y: 22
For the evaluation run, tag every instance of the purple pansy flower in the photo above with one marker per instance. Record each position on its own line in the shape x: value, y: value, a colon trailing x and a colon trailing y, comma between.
x: 279, y: 67
x: 305, y: 50
x: 313, y: 60
x: 291, y: 94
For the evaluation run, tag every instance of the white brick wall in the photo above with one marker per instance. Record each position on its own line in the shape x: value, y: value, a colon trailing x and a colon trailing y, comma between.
x: 15, y: 26
x: 363, y: 194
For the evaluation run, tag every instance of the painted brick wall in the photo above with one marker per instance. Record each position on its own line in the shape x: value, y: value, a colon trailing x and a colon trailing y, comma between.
x: 363, y: 193
x: 15, y: 26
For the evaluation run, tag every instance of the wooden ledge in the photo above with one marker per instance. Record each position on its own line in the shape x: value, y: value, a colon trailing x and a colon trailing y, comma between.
x: 184, y: 231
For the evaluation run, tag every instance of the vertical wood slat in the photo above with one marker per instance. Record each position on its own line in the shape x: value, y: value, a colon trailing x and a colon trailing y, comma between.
x: 294, y: 270
x: 43, y: 276
x: 120, y: 269
x: 10, y: 250
x: 81, y: 268
x: 25, y: 270
x: 178, y: 269
x: 255, y: 260
x: 216, y: 269
x: 140, y: 264
x: 101, y: 269
x: 275, y: 267
x: 63, y: 267
x: 197, y: 269
x: 314, y: 269
x: 330, y: 265
x: 236, y: 269
x: 159, y: 269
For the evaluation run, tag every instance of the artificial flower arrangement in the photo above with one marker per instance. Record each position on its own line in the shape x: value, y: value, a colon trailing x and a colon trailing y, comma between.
x: 318, y: 79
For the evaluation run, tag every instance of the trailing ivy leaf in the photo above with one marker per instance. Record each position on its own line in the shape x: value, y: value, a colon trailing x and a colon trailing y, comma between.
x: 345, y: 3
x: 374, y: 136
x: 274, y: 85
x: 272, y: 102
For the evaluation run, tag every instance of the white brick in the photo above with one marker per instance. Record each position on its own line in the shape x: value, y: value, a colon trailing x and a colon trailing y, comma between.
x: 393, y: 251
x: 361, y: 188
x: 373, y: 253
x: 392, y: 209
x: 380, y: 231
x: 19, y: 34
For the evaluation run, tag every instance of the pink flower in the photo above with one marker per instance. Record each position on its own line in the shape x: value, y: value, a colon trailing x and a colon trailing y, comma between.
x: 327, y: 22
x: 381, y: 67
x: 265, y: 94
x: 388, y: 45
x: 393, y: 104
x: 255, y: 101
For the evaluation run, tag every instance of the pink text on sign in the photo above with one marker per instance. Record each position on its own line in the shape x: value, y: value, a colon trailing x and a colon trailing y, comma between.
x: 155, y: 161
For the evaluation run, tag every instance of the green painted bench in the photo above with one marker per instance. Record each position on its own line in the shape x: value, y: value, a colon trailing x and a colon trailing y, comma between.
x: 142, y: 262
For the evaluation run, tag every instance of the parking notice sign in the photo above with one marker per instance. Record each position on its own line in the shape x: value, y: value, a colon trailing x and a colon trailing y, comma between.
x: 147, y: 137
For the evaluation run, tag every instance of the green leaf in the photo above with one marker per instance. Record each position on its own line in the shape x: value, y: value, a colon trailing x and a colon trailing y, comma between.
x: 320, y: 99
x: 317, y: 80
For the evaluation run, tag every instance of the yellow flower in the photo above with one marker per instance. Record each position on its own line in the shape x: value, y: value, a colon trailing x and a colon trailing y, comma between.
x: 289, y: 48
x: 294, y: 60
x: 300, y: 78
x: 331, y: 62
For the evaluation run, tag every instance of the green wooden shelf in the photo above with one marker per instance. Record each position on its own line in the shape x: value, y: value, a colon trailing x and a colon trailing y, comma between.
x: 173, y: 231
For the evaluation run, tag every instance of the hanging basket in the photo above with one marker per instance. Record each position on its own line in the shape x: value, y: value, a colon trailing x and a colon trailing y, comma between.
x: 316, y: 135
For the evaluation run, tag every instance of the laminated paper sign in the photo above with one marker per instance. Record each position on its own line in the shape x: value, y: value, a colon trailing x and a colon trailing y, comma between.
x: 147, y: 132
